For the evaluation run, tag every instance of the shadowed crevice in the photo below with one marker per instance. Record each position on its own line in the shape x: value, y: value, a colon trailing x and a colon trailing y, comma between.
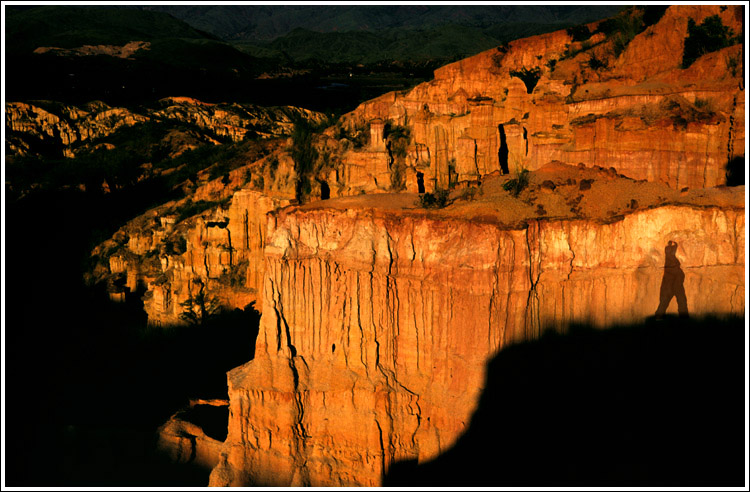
x: 502, y: 153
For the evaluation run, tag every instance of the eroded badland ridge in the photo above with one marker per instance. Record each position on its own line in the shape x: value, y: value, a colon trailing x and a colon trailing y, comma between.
x: 379, y: 314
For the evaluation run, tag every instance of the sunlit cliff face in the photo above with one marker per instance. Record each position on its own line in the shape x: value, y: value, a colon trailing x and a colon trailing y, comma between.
x: 378, y: 324
x: 543, y: 98
x: 380, y: 314
x: 379, y: 320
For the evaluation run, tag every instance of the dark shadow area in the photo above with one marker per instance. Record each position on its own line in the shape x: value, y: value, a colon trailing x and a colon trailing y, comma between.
x: 325, y: 191
x: 87, y: 382
x: 131, y: 82
x: 502, y: 153
x: 420, y: 182
x: 212, y: 419
x: 735, y: 171
x: 653, y: 404
x: 672, y: 283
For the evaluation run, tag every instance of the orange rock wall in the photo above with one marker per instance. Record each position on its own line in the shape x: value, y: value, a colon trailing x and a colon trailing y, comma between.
x: 71, y: 126
x: 455, y: 118
x: 212, y: 251
x: 377, y: 327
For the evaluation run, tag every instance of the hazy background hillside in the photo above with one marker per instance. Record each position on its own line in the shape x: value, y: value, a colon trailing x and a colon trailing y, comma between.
x: 325, y: 58
x: 368, y: 34
x: 266, y: 23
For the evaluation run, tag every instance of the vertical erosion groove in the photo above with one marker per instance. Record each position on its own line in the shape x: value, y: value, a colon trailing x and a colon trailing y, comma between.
x: 231, y: 249
x: 299, y: 406
x: 492, y: 345
x: 383, y: 470
x: 373, y: 324
x: 275, y: 294
x: 570, y: 248
x: 205, y: 260
x: 534, y: 255
x: 245, y: 227
x: 730, y: 137
x: 476, y: 163
x: 362, y: 357
x: 511, y: 275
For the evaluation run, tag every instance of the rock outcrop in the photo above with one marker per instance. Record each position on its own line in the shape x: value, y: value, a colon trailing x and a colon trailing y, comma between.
x: 379, y: 316
x: 62, y: 125
x: 125, y: 51
x: 522, y: 105
x: 235, y: 121
x: 183, y: 438
x: 378, y: 322
x: 178, y: 263
x: 71, y: 128
x: 550, y: 97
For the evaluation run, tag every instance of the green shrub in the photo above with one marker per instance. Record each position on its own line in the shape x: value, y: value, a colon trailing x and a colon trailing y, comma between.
x: 199, y: 309
x: 358, y: 136
x: 398, y: 138
x: 395, y: 132
x: 235, y: 275
x: 399, y: 147
x: 304, y: 155
x: 733, y: 64
x: 596, y: 63
x: 517, y: 184
x: 177, y: 245
x: 398, y: 181
x: 497, y: 58
x: 530, y: 77
x: 711, y: 35
x: 579, y: 33
x: 471, y: 193
x: 704, y: 104
x: 190, y: 208
x: 584, y: 120
x: 630, y: 26
x: 452, y: 174
x: 273, y: 165
x: 439, y: 199
x: 622, y: 28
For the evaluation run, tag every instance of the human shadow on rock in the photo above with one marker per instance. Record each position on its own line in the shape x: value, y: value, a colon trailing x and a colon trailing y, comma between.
x: 672, y: 283
x: 655, y: 404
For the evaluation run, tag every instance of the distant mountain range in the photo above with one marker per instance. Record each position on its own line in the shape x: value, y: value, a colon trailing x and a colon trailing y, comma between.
x: 372, y: 34
x: 264, y: 23
x: 260, y: 54
x: 174, y: 58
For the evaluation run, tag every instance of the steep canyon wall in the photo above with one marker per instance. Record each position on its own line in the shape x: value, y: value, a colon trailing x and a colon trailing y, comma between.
x: 550, y: 97
x: 377, y: 326
x: 216, y: 256
x: 639, y: 112
x: 378, y: 322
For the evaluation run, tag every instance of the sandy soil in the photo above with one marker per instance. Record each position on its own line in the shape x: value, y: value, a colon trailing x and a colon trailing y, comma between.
x: 556, y: 190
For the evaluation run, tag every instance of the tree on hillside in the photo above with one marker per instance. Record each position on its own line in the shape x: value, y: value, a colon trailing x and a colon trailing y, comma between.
x: 199, y: 308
